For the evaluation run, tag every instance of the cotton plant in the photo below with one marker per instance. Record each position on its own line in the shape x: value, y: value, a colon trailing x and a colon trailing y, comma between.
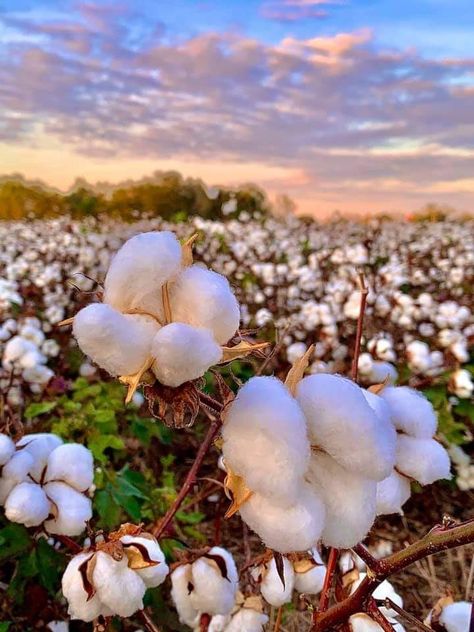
x: 46, y: 483
x: 111, y: 577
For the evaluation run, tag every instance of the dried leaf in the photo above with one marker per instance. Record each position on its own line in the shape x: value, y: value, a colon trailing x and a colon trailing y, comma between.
x: 295, y: 374
x: 303, y: 566
x: 165, y: 295
x: 133, y: 381
x: 114, y: 549
x: 176, y: 407
x: 376, y: 389
x: 126, y: 529
x: 237, y: 491
x: 138, y: 556
x: 86, y: 570
x: 187, y: 251
x: 221, y: 565
x: 241, y: 350
x: 280, y: 567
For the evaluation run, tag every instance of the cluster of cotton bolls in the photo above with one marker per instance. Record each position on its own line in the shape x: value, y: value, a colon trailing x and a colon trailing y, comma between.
x: 112, y: 577
x: 45, y: 482
x: 322, y: 459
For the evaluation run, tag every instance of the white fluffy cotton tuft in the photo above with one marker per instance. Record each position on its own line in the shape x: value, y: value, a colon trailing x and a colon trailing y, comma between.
x: 7, y: 448
x: 425, y: 460
x: 311, y: 581
x: 411, y: 412
x: 182, y: 353
x: 27, y: 504
x: 271, y: 586
x: 248, y: 620
x: 213, y: 593
x: 71, y: 509
x: 392, y: 494
x: 456, y: 617
x: 120, y: 588
x: 40, y: 446
x: 181, y: 588
x: 79, y: 606
x: 73, y: 464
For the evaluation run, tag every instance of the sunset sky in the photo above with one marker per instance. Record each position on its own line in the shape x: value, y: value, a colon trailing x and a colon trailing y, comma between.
x: 357, y: 105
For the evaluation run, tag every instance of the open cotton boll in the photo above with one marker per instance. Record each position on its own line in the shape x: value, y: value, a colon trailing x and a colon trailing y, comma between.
x: 79, y: 605
x: 73, y: 464
x: 411, y: 412
x: 310, y: 575
x: 203, y: 298
x: 152, y: 575
x: 27, y: 504
x: 361, y: 622
x: 181, y: 588
x: 214, y: 590
x: 425, y: 460
x: 183, y: 353
x: 7, y: 448
x: 388, y: 435
x: 384, y: 591
x: 456, y: 617
x: 119, y: 343
x: 286, y: 529
x: 265, y: 439
x: 272, y: 588
x: 40, y: 446
x: 71, y: 509
x: 392, y: 494
x: 247, y: 619
x: 120, y: 588
x: 342, y: 423
x: 139, y: 269
x: 349, y: 500
x: 15, y: 348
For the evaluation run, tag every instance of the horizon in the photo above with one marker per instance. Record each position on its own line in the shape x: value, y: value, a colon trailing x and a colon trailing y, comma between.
x: 358, y: 106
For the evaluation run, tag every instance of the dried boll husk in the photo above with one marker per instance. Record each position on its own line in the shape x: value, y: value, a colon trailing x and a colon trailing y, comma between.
x: 265, y: 439
x: 40, y: 446
x: 203, y: 298
x: 341, y: 422
x: 392, y: 493
x: 181, y: 588
x: 119, y: 343
x: 272, y: 588
x: 214, y: 578
x: 286, y: 529
x: 27, y: 504
x: 411, y: 412
x: 71, y: 509
x: 7, y: 448
x: 80, y: 604
x: 349, y: 500
x: 73, y: 464
x: 182, y: 353
x: 425, y: 460
x: 310, y: 574
x: 139, y: 269
x: 154, y: 574
x: 119, y: 587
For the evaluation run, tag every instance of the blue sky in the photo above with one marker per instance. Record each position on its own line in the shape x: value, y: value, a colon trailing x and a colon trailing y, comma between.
x: 337, y: 102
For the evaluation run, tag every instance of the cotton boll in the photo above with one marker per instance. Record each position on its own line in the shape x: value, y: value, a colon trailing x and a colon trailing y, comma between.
x: 73, y: 464
x: 219, y: 623
x: 342, y: 423
x: 79, y: 605
x: 203, y: 298
x: 247, y: 619
x: 39, y: 445
x: 349, y: 500
x: 383, y: 591
x: 213, y: 593
x: 392, y: 494
x: 456, y: 617
x: 425, y: 460
x: 120, y: 588
x: 286, y: 529
x: 382, y: 371
x: 152, y: 575
x: 27, y: 504
x: 181, y: 588
x: 119, y: 343
x: 386, y: 429
x: 7, y: 448
x: 272, y: 588
x: 183, y: 353
x: 265, y: 439
x: 310, y: 579
x: 15, y: 348
x: 139, y: 270
x: 18, y: 467
x: 71, y: 509
x: 411, y: 412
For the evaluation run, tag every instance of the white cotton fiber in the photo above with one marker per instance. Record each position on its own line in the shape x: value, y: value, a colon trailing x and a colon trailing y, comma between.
x: 73, y: 464
x: 119, y: 588
x: 425, y: 460
x: 286, y: 529
x: 248, y: 620
x: 183, y: 353
x: 152, y: 575
x: 139, y: 270
x: 203, y: 298
x: 349, y: 500
x: 219, y: 623
x: 272, y: 588
x: 118, y: 343
x: 456, y: 617
x: 14, y: 472
x: 27, y: 504
x: 392, y: 494
x: 71, y: 509
x: 79, y: 605
x: 213, y: 593
x: 7, y: 448
x: 181, y: 587
x: 265, y: 439
x: 411, y: 412
x: 311, y: 581
x: 39, y: 445
x: 384, y: 591
x: 361, y: 622
x: 341, y: 422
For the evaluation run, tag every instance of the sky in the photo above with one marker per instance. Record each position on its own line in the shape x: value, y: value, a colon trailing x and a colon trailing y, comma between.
x: 356, y: 105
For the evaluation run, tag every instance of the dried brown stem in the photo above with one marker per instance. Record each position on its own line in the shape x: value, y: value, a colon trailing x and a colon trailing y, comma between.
x: 69, y: 543
x: 375, y: 614
x: 278, y: 619
x: 416, y: 623
x: 149, y: 623
x: 364, y: 291
x: 366, y: 556
x: 328, y: 582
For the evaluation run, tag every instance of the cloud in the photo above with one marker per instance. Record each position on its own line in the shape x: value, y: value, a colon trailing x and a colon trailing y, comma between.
x: 297, y: 10
x: 346, y: 116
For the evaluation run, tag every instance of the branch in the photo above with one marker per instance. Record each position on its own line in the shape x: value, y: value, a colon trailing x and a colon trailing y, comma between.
x: 388, y: 603
x: 364, y: 291
x: 375, y: 614
x: 328, y: 581
x: 148, y: 621
x: 366, y: 556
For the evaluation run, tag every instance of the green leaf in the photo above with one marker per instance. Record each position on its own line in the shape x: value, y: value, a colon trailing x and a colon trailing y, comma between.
x: 191, y: 518
x: 4, y: 626
x: 14, y: 540
x: 100, y: 443
x: 39, y: 408
x: 50, y: 565
x: 107, y: 508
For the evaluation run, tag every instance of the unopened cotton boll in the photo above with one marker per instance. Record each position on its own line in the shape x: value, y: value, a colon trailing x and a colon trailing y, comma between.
x: 73, y: 464
x: 425, y: 460
x: 27, y: 504
x: 214, y: 589
x: 71, y: 509
x: 310, y: 575
x: 392, y: 494
x: 119, y: 587
x: 151, y: 575
x: 248, y: 620
x: 456, y: 617
x: 286, y: 529
x: 272, y: 588
x: 118, y: 343
x: 182, y: 353
x: 7, y: 448
x: 203, y: 298
x: 349, y: 499
x: 265, y: 439
x: 80, y: 606
x: 181, y: 587
x: 39, y: 445
x: 343, y: 424
x: 139, y: 269
x: 411, y: 412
